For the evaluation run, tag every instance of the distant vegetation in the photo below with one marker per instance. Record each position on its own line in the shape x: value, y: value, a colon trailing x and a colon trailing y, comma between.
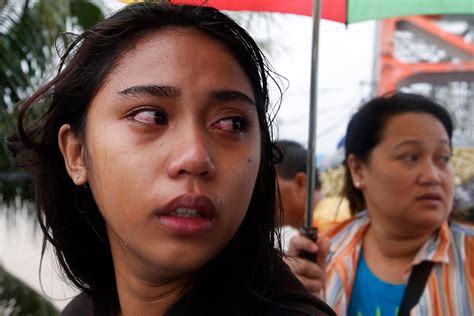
x: 16, y: 298
x: 29, y: 43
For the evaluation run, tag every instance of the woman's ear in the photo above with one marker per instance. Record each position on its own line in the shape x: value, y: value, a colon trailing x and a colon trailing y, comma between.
x: 300, y: 180
x: 73, y: 154
x: 356, y: 168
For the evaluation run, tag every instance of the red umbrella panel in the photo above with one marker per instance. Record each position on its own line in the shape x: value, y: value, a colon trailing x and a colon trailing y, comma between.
x: 334, y: 9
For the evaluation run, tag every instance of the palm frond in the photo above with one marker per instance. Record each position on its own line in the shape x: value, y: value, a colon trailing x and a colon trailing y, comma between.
x: 29, y: 31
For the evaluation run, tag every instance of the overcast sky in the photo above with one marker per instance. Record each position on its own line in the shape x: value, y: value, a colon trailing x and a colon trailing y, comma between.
x: 345, y: 72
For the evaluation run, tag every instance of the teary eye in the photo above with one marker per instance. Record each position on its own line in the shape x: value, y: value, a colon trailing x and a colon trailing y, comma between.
x: 150, y: 116
x: 234, y: 124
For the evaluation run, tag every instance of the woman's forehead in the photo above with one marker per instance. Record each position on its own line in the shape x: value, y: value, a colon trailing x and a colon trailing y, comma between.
x: 414, y: 126
x: 175, y: 46
x: 175, y: 39
x: 176, y: 62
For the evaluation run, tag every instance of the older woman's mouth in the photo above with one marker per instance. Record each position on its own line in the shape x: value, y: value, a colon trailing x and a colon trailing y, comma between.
x: 430, y: 196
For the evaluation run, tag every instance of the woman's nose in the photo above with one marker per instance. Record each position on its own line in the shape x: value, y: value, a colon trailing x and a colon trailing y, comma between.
x: 430, y: 174
x: 191, y: 156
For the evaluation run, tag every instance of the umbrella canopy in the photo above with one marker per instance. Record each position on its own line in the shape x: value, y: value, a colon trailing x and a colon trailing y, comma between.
x: 344, y: 11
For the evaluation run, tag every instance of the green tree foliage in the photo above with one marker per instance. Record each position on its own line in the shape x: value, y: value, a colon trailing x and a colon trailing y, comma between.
x: 29, y: 43
x: 29, y: 31
x: 16, y: 298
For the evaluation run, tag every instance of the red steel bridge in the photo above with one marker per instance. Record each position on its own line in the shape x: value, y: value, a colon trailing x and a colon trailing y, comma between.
x: 433, y: 56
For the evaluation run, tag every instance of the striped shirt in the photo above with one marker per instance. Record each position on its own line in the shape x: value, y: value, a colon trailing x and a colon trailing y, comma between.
x: 450, y: 287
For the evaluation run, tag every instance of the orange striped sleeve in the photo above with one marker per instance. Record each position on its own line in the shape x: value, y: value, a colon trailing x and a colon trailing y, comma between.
x: 335, y: 230
x: 433, y: 288
x: 446, y: 273
x: 343, y: 275
x: 470, y: 267
x: 444, y: 236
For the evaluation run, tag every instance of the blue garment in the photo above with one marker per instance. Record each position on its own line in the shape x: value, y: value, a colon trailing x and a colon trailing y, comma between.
x: 372, y: 296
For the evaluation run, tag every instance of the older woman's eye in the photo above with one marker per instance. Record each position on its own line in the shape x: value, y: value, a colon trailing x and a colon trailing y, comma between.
x: 235, y: 124
x: 409, y: 158
x: 445, y: 159
x: 150, y: 117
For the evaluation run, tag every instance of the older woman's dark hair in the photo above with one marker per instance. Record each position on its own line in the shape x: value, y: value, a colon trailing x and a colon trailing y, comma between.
x: 69, y: 216
x: 365, y: 131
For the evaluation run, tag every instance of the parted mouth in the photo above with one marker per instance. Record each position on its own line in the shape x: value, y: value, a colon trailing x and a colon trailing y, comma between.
x: 187, y: 212
x: 189, y: 206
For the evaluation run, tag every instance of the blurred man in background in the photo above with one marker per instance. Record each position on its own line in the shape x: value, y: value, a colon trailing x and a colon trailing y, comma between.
x: 292, y: 182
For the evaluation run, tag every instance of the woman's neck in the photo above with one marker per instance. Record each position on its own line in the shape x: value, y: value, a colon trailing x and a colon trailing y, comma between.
x: 140, y: 297
x: 388, y: 255
x: 393, y: 246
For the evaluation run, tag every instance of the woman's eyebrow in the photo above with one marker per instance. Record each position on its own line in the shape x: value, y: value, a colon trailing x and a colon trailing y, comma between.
x: 231, y: 95
x: 150, y: 90
x: 418, y: 143
x: 407, y: 142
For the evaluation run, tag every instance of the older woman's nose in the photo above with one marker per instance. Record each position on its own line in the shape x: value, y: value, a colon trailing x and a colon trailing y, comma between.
x: 430, y: 174
x: 191, y: 156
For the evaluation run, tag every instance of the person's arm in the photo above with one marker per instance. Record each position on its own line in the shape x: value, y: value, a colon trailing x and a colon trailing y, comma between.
x: 311, y: 274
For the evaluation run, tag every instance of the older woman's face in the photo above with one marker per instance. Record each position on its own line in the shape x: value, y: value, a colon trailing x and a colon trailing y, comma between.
x: 408, y: 182
x: 173, y: 141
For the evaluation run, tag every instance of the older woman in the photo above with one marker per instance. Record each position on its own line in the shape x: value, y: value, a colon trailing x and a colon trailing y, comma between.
x: 153, y: 167
x: 401, y: 252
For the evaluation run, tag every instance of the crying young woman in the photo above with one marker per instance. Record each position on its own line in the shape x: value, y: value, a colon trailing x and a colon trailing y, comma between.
x: 153, y: 168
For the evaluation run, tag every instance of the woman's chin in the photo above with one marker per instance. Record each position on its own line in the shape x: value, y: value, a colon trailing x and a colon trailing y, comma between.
x: 431, y: 222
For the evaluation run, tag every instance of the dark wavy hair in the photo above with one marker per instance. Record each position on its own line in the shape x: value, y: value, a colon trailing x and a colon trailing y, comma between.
x: 366, y: 127
x: 69, y: 216
x: 293, y: 160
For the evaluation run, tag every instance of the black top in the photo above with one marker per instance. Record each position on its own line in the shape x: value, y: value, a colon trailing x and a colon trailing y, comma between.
x: 288, y: 298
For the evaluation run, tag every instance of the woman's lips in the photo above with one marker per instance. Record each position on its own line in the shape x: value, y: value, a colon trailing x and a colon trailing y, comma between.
x: 188, y: 214
x: 429, y: 196
x: 431, y: 199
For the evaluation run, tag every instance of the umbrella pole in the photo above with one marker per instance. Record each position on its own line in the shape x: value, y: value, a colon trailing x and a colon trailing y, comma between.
x: 313, y: 113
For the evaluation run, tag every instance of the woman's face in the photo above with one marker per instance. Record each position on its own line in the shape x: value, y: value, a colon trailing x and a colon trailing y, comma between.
x: 173, y: 144
x: 408, y: 182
